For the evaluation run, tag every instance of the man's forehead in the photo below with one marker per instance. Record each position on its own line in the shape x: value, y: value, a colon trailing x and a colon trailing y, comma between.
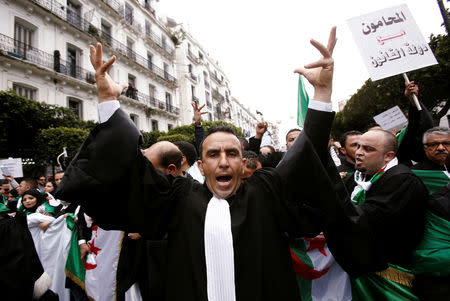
x: 438, y: 136
x: 221, y: 140
x: 293, y: 134
x: 374, y: 137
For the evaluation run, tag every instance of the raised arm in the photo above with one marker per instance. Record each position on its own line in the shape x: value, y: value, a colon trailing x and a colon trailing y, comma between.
x: 199, y: 131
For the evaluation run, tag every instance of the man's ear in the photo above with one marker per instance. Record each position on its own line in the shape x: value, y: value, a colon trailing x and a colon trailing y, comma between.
x: 244, y: 163
x: 200, y: 166
x: 173, y: 170
x: 343, y: 151
x: 389, y: 156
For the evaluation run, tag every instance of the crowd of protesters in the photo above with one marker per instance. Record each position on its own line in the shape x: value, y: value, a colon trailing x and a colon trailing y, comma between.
x: 373, y: 197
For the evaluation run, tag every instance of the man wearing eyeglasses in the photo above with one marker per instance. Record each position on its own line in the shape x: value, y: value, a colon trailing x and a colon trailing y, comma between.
x: 436, y: 144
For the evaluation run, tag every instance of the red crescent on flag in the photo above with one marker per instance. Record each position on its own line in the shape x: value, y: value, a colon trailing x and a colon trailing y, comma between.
x: 89, y: 266
x: 304, y: 271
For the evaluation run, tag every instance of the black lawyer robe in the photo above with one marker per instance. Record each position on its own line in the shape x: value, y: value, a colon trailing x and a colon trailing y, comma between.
x: 263, y: 209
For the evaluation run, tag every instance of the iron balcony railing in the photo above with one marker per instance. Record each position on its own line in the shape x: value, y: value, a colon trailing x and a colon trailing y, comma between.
x: 20, y: 50
x: 214, y: 77
x: 193, y: 57
x: 217, y: 95
x: 60, y: 10
x: 149, y: 8
x: 154, y: 103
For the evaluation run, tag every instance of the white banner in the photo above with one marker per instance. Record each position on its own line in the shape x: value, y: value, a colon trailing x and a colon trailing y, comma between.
x: 391, y: 119
x: 13, y: 165
x: 52, y: 247
x: 390, y: 42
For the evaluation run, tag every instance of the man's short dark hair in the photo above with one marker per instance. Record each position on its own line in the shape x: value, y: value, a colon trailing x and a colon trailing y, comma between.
x: 30, y: 182
x: 216, y: 129
x: 252, y: 159
x: 171, y: 156
x: 343, y: 139
x: 188, y: 151
x: 292, y: 130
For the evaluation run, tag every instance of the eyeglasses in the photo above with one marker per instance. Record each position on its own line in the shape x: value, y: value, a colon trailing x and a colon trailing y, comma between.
x: 436, y: 144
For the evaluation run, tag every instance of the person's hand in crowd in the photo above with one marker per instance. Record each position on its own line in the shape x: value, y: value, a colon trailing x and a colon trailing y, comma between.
x: 320, y: 73
x: 410, y: 89
x: 261, y: 128
x: 197, y: 113
x: 134, y: 236
x: 84, y: 249
x: 47, y: 213
x: 44, y: 225
x: 107, y: 89
x: 9, y: 178
x: 343, y: 174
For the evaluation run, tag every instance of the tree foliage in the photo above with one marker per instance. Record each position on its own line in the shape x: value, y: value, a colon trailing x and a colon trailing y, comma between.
x: 21, y: 120
x: 375, y: 97
x: 174, y: 138
x: 50, y: 143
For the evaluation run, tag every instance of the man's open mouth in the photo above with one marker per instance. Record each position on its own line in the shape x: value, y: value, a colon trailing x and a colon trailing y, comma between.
x: 224, y: 179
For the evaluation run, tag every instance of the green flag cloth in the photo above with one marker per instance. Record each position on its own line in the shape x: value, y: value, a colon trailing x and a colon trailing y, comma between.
x: 432, y: 256
x: 373, y: 287
x: 49, y: 208
x: 401, y: 135
x: 433, y: 179
x: 3, y: 208
x: 360, y: 197
x: 299, y: 249
x: 303, y: 101
x: 74, y: 265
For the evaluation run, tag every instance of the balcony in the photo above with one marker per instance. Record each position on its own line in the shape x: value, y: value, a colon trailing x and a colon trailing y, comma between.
x: 217, y: 95
x: 16, y: 49
x: 193, y: 77
x: 154, y: 103
x: 215, y: 78
x: 192, y: 57
x: 148, y: 7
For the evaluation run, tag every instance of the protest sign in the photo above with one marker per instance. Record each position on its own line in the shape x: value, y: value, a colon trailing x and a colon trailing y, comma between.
x: 13, y: 165
x: 390, y: 42
x: 391, y: 119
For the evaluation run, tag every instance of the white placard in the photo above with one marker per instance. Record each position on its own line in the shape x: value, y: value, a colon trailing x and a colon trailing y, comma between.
x: 14, y: 165
x: 391, y: 119
x: 390, y: 42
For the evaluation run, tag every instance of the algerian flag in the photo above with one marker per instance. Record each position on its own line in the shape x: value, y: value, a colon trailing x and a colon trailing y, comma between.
x: 401, y: 135
x: 303, y: 101
x: 74, y: 268
x: 433, y: 179
x: 319, y: 276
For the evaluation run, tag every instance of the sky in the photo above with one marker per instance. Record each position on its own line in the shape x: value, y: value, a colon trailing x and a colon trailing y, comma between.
x: 258, y: 44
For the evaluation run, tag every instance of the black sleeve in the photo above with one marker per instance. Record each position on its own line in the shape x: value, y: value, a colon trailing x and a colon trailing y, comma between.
x: 110, y: 158
x: 385, y: 229
x: 199, y: 133
x: 411, y: 148
x: 254, y: 145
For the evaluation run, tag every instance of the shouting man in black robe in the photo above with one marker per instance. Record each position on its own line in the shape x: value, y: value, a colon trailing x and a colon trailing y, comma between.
x: 226, y: 239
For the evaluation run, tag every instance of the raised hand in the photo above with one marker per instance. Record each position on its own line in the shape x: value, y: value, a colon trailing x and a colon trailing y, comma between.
x: 320, y: 73
x: 261, y: 128
x: 197, y: 113
x: 107, y: 89
x: 410, y: 89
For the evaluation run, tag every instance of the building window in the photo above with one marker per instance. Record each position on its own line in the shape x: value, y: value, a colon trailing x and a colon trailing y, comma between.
x: 210, y: 117
x: 164, y: 41
x: 23, y: 37
x: 154, y: 125
x: 166, y: 71
x: 73, y: 61
x: 130, y: 47
x: 74, y: 13
x: 131, y: 91
x: 148, y: 28
x: 106, y: 32
x: 200, y: 55
x: 75, y: 105
x: 135, y: 119
x: 128, y: 13
x: 25, y: 91
x: 169, y: 126
x: 193, y: 92
x: 168, y: 102
x: 149, y: 61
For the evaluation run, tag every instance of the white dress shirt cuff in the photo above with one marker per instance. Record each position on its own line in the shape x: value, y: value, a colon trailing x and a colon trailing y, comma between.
x: 320, y: 106
x: 106, y: 110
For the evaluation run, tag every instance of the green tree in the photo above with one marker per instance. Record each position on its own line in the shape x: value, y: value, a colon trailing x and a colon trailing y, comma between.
x: 375, y: 97
x: 21, y: 119
x: 50, y: 143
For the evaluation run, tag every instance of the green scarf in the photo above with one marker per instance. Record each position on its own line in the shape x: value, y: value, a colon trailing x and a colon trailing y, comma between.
x: 360, y: 197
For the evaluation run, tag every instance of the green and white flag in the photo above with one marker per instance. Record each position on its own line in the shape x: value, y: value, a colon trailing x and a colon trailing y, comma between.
x: 303, y: 101
x: 433, y: 179
x: 319, y: 276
